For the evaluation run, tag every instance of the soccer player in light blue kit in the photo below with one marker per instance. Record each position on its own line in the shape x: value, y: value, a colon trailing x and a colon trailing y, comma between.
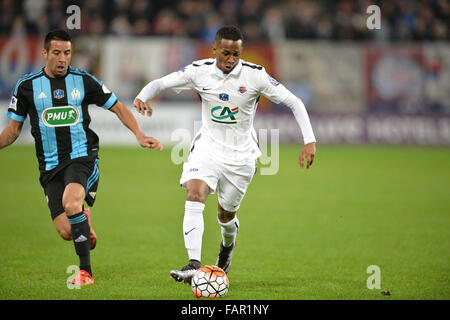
x: 56, y: 99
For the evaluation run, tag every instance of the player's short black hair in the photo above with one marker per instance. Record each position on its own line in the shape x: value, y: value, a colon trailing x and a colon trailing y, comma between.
x: 229, y: 33
x: 56, y: 35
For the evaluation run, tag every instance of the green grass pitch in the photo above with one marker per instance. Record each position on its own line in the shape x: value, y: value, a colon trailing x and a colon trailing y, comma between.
x: 304, y: 234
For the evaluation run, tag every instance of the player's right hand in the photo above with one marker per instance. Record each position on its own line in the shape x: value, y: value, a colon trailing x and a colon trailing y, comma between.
x: 150, y: 142
x: 142, y: 107
x: 308, y: 152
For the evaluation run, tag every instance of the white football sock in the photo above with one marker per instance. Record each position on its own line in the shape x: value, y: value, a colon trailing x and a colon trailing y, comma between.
x: 193, y: 229
x: 229, y: 231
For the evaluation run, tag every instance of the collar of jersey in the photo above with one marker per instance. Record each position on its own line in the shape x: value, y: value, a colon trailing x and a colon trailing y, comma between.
x: 62, y: 77
x: 235, y: 71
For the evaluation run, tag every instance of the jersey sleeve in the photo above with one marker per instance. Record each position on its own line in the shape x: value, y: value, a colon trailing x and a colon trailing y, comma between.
x: 278, y: 93
x: 17, y: 109
x: 271, y: 88
x: 97, y: 93
x: 179, y: 80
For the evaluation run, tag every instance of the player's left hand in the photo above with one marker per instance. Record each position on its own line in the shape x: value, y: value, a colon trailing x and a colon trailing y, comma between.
x: 308, y: 152
x: 150, y: 142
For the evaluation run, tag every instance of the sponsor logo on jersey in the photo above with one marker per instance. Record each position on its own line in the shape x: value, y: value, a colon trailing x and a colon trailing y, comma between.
x: 13, y: 103
x: 242, y: 90
x: 58, y: 94
x: 225, y: 115
x: 273, y: 81
x: 224, y: 97
x: 105, y: 89
x: 60, y: 116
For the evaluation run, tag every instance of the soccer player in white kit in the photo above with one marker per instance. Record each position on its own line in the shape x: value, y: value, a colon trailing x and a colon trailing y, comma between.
x: 223, y: 153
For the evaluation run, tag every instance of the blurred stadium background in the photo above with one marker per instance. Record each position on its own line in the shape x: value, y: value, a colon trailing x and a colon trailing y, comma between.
x: 387, y: 86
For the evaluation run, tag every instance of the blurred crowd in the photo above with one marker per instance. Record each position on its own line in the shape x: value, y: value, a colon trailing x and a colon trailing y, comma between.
x: 260, y: 20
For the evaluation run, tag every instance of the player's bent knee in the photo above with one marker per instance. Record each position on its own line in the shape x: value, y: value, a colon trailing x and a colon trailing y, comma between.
x: 196, y: 196
x: 73, y: 198
x: 225, y: 216
x: 72, y: 207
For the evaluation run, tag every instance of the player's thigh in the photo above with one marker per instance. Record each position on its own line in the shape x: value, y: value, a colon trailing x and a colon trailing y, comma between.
x: 199, y: 168
x: 233, y: 184
x: 73, y: 198
x: 54, y: 193
x: 81, y: 179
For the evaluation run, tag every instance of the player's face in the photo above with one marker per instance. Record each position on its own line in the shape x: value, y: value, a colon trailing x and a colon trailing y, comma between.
x: 57, y: 58
x: 227, y: 54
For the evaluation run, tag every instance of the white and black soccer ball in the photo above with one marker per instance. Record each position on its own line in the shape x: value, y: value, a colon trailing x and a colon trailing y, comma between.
x: 210, y: 282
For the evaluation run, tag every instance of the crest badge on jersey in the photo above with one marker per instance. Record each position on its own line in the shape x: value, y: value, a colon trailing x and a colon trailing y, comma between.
x: 242, y: 90
x: 58, y: 94
x: 76, y: 94
x: 224, y: 97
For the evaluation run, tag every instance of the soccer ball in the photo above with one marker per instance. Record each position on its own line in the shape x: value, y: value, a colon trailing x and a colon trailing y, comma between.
x: 210, y: 282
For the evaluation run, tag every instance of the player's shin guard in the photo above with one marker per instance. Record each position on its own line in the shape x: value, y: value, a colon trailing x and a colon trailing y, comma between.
x: 80, y: 235
x: 229, y: 231
x: 193, y: 229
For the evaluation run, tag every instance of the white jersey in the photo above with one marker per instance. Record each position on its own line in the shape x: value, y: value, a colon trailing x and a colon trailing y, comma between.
x: 229, y: 103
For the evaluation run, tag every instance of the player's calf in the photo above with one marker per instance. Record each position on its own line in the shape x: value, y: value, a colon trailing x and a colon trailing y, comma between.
x: 229, y: 232
x: 62, y: 226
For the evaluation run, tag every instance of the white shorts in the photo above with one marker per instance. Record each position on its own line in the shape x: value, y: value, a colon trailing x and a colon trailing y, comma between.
x: 228, y: 180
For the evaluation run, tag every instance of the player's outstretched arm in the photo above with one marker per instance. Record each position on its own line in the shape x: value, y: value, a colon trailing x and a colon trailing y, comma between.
x: 176, y: 80
x: 127, y: 118
x: 307, y: 153
x: 151, y: 90
x: 10, y: 133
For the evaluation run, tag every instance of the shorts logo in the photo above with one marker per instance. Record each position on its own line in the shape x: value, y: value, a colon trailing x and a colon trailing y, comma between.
x: 224, y: 97
x: 242, y: 90
x: 60, y: 116
x: 58, y: 94
x: 224, y: 114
